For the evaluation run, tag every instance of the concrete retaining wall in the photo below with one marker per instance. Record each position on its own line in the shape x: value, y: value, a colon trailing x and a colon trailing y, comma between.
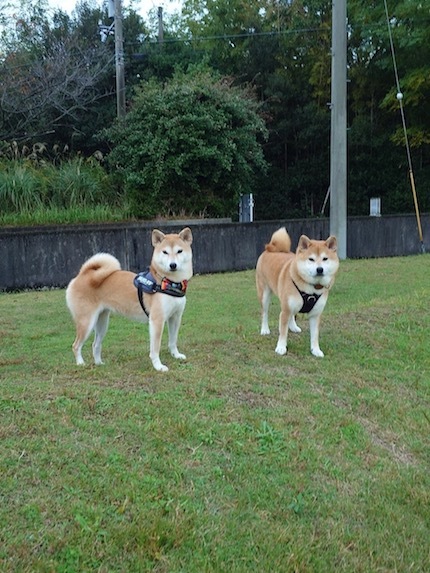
x: 51, y: 256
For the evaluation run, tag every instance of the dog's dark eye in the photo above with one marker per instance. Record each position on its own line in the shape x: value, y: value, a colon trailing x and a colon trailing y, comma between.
x: 325, y: 258
x: 179, y: 251
x: 165, y: 253
x: 312, y: 259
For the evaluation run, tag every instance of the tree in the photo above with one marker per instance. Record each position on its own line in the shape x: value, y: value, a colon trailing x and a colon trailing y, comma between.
x: 54, y: 80
x: 377, y: 156
x: 228, y: 26
x: 57, y: 79
x: 283, y: 49
x: 190, y: 145
x: 56, y: 76
x: 46, y: 94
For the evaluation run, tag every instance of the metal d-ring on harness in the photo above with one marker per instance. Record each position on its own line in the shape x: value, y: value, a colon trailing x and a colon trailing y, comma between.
x: 309, y: 300
x: 146, y: 283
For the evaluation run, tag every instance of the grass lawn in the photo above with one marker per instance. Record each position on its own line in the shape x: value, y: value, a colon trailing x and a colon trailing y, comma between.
x: 238, y: 460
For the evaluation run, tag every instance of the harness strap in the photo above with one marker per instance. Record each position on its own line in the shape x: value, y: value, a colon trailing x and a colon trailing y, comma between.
x: 146, y: 283
x: 142, y: 304
x: 309, y: 300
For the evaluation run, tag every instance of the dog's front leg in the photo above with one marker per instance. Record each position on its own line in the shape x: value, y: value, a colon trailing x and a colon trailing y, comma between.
x: 314, y: 327
x: 173, y: 325
x: 284, y: 319
x: 155, y: 334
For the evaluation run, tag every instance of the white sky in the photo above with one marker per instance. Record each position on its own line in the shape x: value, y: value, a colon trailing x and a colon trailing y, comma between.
x: 145, y: 5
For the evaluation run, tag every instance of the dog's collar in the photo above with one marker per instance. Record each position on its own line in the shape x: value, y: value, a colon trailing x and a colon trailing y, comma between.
x: 309, y: 300
x: 146, y: 283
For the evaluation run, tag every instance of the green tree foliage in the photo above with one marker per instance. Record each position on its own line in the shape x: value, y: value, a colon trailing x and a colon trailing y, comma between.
x: 377, y: 153
x: 228, y: 27
x: 57, y: 84
x: 190, y: 145
x: 283, y: 49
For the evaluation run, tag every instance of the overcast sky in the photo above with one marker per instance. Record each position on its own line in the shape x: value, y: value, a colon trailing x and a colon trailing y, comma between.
x: 145, y: 5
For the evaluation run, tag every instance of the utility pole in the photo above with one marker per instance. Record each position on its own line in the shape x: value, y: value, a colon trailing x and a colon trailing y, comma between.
x: 119, y: 61
x: 338, y: 144
x: 160, y: 25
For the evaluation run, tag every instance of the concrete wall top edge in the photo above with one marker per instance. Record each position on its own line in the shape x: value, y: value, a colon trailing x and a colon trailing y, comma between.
x: 149, y: 225
x: 90, y: 227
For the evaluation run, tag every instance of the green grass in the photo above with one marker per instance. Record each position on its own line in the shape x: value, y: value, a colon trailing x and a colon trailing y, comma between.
x: 75, y: 191
x: 65, y: 216
x: 237, y: 460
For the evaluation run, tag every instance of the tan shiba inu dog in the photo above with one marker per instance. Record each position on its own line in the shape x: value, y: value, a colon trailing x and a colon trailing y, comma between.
x: 301, y: 281
x: 157, y: 295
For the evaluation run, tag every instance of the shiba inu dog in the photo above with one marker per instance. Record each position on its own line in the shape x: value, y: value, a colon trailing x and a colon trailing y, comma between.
x: 157, y: 296
x: 301, y: 281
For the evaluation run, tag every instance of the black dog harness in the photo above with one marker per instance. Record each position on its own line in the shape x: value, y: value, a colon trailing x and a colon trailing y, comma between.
x: 309, y: 300
x: 146, y: 283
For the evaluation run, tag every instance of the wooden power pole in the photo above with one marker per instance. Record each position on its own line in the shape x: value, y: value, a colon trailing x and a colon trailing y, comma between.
x: 119, y: 61
x: 160, y: 25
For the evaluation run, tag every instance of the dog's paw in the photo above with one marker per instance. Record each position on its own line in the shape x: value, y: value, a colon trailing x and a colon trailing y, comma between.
x: 317, y: 352
x: 264, y: 331
x: 281, y: 349
x: 178, y: 355
x: 159, y: 366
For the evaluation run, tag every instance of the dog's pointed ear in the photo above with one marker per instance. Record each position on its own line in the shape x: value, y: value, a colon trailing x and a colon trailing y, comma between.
x: 186, y: 235
x: 304, y: 243
x: 157, y: 237
x: 332, y: 243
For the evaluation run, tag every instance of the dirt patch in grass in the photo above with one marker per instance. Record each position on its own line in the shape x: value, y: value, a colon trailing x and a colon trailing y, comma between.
x: 389, y: 442
x: 251, y: 399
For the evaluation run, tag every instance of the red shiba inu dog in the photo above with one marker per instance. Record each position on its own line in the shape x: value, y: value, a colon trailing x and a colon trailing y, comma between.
x: 301, y: 281
x: 157, y: 296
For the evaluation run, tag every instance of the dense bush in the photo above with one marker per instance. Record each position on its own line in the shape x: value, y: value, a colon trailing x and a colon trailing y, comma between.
x: 191, y: 145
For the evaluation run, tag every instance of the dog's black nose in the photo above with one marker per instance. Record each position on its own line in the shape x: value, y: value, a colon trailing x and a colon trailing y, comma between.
x: 320, y: 271
x: 173, y: 266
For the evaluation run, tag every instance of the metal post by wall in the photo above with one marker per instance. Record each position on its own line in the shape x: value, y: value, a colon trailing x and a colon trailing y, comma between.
x: 338, y: 145
x: 246, y: 208
x: 119, y: 61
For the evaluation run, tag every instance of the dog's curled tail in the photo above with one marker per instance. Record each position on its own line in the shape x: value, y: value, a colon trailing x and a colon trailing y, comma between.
x: 280, y: 242
x: 99, y: 267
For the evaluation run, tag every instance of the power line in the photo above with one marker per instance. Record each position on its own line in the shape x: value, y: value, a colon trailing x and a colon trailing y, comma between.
x: 237, y: 36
